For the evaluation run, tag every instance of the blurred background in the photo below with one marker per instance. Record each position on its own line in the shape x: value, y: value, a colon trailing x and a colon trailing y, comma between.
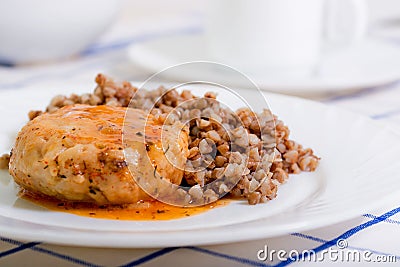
x: 137, y: 22
x: 131, y: 39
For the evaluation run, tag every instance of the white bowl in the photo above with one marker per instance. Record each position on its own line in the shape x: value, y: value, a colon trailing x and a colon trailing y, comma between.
x: 41, y: 30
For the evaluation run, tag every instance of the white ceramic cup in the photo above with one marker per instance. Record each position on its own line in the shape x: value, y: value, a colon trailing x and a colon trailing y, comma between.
x: 42, y: 30
x: 280, y: 36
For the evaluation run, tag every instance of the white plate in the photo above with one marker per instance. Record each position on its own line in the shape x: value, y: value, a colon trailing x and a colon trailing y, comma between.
x: 354, y: 177
x: 365, y: 64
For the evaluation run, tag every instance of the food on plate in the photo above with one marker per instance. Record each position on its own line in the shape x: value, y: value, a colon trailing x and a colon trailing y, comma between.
x: 4, y: 160
x: 73, y: 151
x: 76, y: 154
x: 143, y: 210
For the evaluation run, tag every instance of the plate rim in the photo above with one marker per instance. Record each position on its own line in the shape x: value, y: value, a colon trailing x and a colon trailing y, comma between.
x: 119, y: 240
x: 135, y: 54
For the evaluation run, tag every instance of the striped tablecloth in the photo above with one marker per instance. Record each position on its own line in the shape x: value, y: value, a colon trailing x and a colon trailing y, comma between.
x: 376, y: 234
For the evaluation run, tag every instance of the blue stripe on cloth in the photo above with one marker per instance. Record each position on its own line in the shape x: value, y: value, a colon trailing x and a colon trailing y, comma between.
x: 249, y: 262
x: 101, y: 48
x: 345, y: 235
x: 350, y: 247
x: 386, y: 115
x: 51, y: 253
x: 313, y: 238
x: 65, y: 257
x: 150, y: 257
x: 6, y: 64
x: 387, y: 220
x: 229, y: 257
x: 364, y: 92
x: 95, y: 50
x: 18, y: 249
x: 10, y: 241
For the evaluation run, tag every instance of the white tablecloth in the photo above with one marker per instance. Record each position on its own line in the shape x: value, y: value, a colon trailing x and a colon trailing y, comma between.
x: 377, y: 231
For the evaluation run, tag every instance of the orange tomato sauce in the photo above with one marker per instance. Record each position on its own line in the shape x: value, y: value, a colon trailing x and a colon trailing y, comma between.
x: 141, y: 211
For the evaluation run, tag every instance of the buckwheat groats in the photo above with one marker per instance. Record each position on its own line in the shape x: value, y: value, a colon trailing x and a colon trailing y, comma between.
x: 252, y: 146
